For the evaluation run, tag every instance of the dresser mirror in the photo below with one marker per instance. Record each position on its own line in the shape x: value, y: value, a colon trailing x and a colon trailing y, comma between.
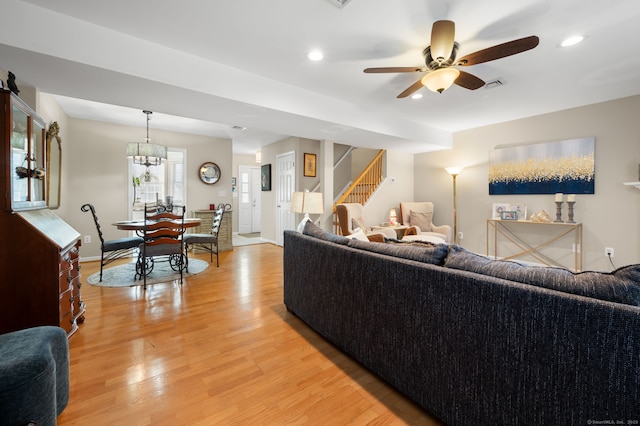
x: 54, y: 166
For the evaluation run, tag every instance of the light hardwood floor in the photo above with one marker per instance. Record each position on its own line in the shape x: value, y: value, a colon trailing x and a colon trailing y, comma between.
x: 220, y: 349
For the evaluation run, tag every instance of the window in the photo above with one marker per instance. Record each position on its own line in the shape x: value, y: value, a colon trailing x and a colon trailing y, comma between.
x: 158, y: 182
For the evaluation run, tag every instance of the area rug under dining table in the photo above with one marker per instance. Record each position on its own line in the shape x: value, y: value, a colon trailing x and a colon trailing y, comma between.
x: 124, y: 275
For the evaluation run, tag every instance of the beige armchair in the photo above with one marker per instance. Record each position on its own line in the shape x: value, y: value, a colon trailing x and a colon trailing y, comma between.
x: 420, y: 215
x: 351, y: 216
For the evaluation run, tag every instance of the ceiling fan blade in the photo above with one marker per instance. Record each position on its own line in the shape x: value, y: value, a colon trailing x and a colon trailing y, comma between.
x: 411, y: 89
x: 442, y: 38
x: 469, y: 81
x: 393, y: 69
x: 499, y: 51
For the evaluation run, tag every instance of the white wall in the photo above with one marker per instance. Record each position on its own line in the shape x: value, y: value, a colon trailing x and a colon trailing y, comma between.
x: 609, y: 217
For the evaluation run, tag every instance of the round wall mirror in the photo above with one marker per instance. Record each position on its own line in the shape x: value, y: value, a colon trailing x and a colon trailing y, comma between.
x: 209, y: 173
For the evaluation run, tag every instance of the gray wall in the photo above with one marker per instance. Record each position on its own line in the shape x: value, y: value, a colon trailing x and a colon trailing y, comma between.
x: 609, y: 217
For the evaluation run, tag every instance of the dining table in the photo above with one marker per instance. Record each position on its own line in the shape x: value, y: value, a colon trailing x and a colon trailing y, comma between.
x: 138, y: 225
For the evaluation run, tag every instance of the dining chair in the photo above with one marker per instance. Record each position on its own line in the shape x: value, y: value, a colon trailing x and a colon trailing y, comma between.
x: 207, y: 241
x: 162, y: 238
x: 111, y: 250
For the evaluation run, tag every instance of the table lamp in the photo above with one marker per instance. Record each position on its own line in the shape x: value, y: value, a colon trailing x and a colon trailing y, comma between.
x: 306, y: 202
x: 393, y: 217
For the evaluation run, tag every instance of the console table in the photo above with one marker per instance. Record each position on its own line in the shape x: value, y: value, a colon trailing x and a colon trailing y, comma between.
x: 511, y: 230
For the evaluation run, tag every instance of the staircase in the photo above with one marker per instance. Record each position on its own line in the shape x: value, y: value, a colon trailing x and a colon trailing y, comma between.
x: 362, y: 187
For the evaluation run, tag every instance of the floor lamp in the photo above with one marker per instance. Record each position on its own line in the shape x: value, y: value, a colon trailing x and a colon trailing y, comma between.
x: 454, y: 172
x: 308, y: 203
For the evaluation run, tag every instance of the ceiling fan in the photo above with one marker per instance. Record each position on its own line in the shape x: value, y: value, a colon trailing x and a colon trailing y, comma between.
x: 440, y: 59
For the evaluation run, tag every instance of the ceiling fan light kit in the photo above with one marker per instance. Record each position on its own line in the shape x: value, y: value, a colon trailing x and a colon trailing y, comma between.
x: 440, y: 60
x: 440, y: 79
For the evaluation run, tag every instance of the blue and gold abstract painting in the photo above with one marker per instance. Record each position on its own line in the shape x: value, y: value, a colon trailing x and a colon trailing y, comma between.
x: 546, y: 168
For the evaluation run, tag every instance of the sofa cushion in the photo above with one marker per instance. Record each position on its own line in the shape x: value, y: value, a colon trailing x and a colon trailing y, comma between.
x: 313, y: 230
x: 419, y: 250
x: 421, y: 220
x: 620, y: 286
x: 358, y: 234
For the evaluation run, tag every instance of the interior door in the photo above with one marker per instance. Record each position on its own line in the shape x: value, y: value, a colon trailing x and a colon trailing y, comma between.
x: 285, y: 185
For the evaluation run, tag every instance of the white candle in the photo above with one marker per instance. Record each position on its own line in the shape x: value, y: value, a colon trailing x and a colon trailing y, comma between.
x: 559, y: 197
x: 571, y: 198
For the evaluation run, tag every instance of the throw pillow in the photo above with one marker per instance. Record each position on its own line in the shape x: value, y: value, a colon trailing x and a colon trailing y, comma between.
x: 358, y: 222
x: 313, y: 230
x: 620, y: 286
x: 358, y: 234
x: 421, y: 220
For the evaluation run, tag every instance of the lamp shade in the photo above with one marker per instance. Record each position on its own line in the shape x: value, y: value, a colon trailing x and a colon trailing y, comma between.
x: 440, y: 79
x: 307, y: 202
x: 142, y: 149
x: 453, y: 171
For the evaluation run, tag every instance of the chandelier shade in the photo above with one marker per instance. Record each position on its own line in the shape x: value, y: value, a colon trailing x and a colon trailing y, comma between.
x: 144, y: 152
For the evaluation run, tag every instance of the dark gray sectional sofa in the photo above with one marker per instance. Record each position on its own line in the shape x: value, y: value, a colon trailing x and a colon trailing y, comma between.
x: 474, y: 341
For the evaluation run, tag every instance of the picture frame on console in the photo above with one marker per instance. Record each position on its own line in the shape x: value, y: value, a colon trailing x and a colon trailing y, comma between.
x: 509, y: 215
x: 498, y: 208
x: 520, y: 209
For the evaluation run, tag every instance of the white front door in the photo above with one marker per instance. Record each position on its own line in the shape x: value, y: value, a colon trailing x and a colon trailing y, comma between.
x: 248, y: 199
x: 285, y: 185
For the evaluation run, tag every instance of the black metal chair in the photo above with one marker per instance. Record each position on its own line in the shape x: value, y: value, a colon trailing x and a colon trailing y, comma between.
x: 207, y: 241
x: 111, y: 250
x: 162, y: 237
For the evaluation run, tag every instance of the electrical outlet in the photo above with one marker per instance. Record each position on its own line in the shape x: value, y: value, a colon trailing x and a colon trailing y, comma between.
x: 460, y: 235
x: 608, y: 251
x: 87, y: 239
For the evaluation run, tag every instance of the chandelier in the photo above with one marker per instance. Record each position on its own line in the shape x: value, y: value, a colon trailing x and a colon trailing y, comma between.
x: 146, y: 153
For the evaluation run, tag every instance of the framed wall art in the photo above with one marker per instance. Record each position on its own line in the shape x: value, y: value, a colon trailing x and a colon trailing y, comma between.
x: 544, y: 168
x: 309, y: 165
x: 265, y: 177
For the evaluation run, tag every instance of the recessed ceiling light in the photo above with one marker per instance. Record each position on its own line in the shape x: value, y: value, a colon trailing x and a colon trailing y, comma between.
x: 315, y: 55
x: 417, y: 96
x: 571, y: 41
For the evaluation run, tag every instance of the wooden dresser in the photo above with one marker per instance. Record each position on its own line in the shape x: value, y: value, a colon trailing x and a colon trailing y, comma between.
x: 225, y: 236
x: 39, y: 252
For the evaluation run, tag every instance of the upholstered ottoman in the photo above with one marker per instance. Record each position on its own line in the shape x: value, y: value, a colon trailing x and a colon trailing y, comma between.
x: 34, y: 376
